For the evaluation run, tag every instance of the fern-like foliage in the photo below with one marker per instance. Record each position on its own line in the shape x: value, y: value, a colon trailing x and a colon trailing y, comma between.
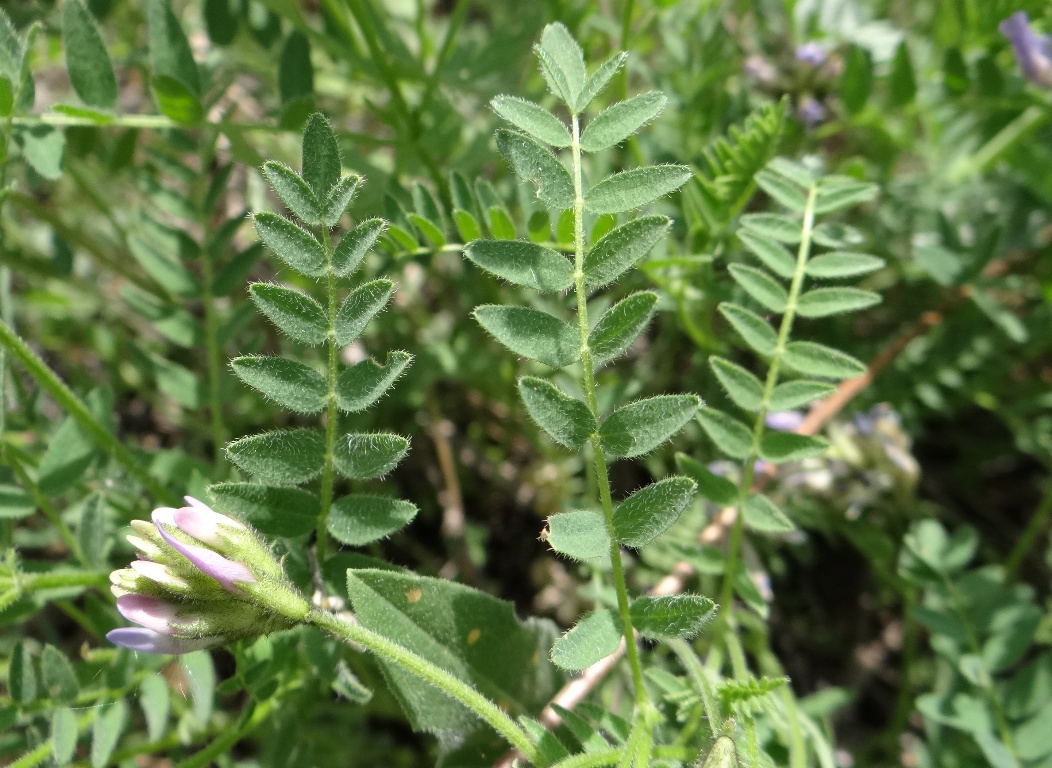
x: 741, y: 695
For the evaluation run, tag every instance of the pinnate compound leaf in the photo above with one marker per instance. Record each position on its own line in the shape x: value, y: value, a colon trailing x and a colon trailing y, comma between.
x: 822, y: 302
x: 599, y: 79
x: 619, y: 121
x: 564, y: 56
x: 779, y: 228
x: 743, y: 387
x: 90, y: 69
x: 339, y: 197
x: 837, y: 192
x: 773, y: 255
x: 288, y: 383
x: 594, y: 637
x: 321, y: 156
x: 621, y: 325
x: 782, y: 189
x: 295, y: 313
x: 363, y: 456
x: 821, y: 361
x: 531, y: 333
x: 354, y: 245
x: 360, y: 307
x: 64, y: 734
x: 535, y: 163
x: 711, y: 486
x: 523, y: 263
x: 618, y: 250
x: 762, y: 514
x: 796, y: 394
x: 580, y: 534
x: 271, y: 510
x: 843, y: 264
x: 361, y: 519
x: 671, y: 616
x: 106, y: 730
x: 761, y: 286
x: 364, y: 383
x: 633, y: 189
x: 533, y: 119
x: 566, y: 420
x: 642, y: 426
x: 652, y: 510
x: 294, y: 192
x: 281, y: 457
x: 291, y: 243
x: 777, y: 447
x: 730, y: 435
x: 756, y: 332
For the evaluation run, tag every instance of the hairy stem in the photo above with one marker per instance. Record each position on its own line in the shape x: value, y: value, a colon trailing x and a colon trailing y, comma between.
x: 588, y: 384
x: 331, y: 415
x: 212, y: 350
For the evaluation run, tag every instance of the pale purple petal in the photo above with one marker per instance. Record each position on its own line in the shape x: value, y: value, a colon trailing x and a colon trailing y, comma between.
x: 148, y: 641
x: 149, y: 612
x: 811, y: 112
x: 204, y: 524
x: 812, y: 54
x: 1033, y: 52
x: 785, y: 421
x: 226, y: 572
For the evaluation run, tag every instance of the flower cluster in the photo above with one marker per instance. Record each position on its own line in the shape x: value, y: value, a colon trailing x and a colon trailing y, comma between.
x: 202, y: 579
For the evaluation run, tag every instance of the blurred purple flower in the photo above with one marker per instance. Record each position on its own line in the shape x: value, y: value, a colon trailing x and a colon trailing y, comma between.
x: 785, y: 421
x: 759, y: 69
x: 1033, y: 52
x: 810, y: 112
x: 812, y: 54
x: 148, y: 641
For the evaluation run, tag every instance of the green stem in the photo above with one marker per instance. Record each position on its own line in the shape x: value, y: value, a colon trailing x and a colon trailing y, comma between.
x: 212, y: 350
x: 612, y: 756
x: 72, y: 405
x: 749, y: 467
x: 331, y: 415
x: 44, y: 504
x: 250, y: 719
x: 1034, y: 529
x: 452, y: 686
x: 588, y: 384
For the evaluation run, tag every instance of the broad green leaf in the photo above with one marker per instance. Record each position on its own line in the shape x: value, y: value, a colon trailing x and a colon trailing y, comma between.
x: 762, y: 514
x: 360, y: 307
x: 563, y: 56
x: 838, y: 265
x: 599, y: 79
x: 21, y: 676
x: 756, y: 332
x: 535, y: 163
x: 617, y: 251
x: 730, y: 435
x: 271, y: 510
x: 470, y: 634
x: 282, y: 457
x: 619, y: 121
x: 566, y: 420
x: 289, y: 383
x: 321, y: 156
x: 837, y: 192
x: 361, y: 519
x: 90, y: 70
x: 336, y: 202
x: 43, y: 147
x: 652, y: 510
x: 64, y: 733
x: 57, y: 675
x: 363, y: 456
x: 533, y: 119
x: 294, y: 192
x: 743, y: 387
x: 354, y: 245
x: 531, y: 333
x: 782, y: 189
x: 642, y: 426
x: 822, y: 302
x: 632, y: 189
x: 621, y: 325
x: 593, y: 638
x: 713, y: 487
x: 671, y: 616
x: 821, y: 361
x: 170, y: 54
x: 580, y: 534
x: 795, y: 394
x: 467, y: 225
x: 364, y: 383
x: 829, y: 235
x: 779, y: 228
x: 155, y: 700
x: 777, y: 447
x: 295, y: 313
x: 761, y: 286
x: 431, y: 231
x: 773, y: 255
x: 523, y: 263
x: 106, y: 731
x: 291, y: 243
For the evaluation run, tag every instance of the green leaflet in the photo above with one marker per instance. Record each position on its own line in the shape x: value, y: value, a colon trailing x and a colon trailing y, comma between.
x: 535, y: 163
x: 533, y: 119
x: 281, y: 457
x: 566, y: 420
x: 773, y: 255
x: 751, y: 327
x: 796, y: 394
x: 621, y: 325
x: 273, y: 511
x: 338, y: 199
x: 842, y: 265
x: 762, y: 514
x: 651, y: 511
x: 838, y: 192
x: 743, y: 387
x: 779, y: 228
x: 295, y: 79
x: 730, y: 435
x: 671, y: 616
x: 783, y: 189
x: 354, y: 245
x: 531, y: 333
x: 713, y: 487
x: 619, y: 121
x: 106, y: 730
x: 364, y: 383
x: 523, y: 263
x: 642, y: 426
x: 90, y: 70
x: 294, y: 192
x: 295, y: 313
x: 580, y: 534
x: 822, y: 302
x: 291, y: 243
x: 170, y: 54
x: 58, y: 679
x: 618, y: 250
x: 431, y: 231
x: 289, y: 383
x: 563, y: 56
x: 361, y: 519
x: 594, y: 637
x: 321, y: 162
x: 599, y: 79
x: 633, y: 189
x: 760, y: 286
x: 821, y: 361
x: 363, y: 456
x: 64, y: 733
x: 777, y: 447
x: 360, y: 307
x: 156, y: 704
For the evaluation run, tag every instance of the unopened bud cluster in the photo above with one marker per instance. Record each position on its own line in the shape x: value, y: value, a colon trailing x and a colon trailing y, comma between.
x: 202, y: 579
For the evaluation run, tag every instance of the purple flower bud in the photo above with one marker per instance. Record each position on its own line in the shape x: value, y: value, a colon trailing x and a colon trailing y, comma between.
x: 148, y: 641
x: 812, y: 54
x: 759, y: 69
x: 149, y: 612
x: 1033, y: 52
x: 204, y: 524
x: 785, y: 421
x: 226, y: 572
x: 811, y: 112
